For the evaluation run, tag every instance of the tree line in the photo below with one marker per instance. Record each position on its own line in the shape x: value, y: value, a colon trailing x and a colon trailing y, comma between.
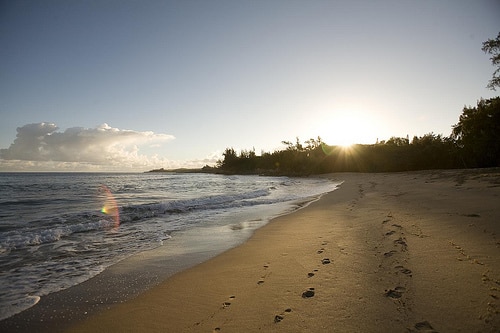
x: 474, y: 143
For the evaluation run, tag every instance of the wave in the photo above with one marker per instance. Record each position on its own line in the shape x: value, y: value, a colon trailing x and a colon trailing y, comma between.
x: 18, y: 305
x: 132, y: 213
x: 53, y: 229
x: 16, y: 239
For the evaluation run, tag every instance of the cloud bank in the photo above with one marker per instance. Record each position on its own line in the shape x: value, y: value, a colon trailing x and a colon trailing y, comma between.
x: 41, y: 146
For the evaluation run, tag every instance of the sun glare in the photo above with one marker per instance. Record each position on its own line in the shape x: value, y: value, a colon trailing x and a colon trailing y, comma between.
x: 347, y: 129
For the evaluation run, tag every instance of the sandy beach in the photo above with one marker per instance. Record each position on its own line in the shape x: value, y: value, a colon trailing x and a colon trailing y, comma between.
x: 400, y: 252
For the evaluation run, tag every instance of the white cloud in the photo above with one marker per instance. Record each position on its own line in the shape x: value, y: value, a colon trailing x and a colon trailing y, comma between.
x: 41, y: 146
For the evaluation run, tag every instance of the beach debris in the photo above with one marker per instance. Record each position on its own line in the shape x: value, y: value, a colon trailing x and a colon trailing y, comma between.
x: 308, y: 293
x: 325, y: 261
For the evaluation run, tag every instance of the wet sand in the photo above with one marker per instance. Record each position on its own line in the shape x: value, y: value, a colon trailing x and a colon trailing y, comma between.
x: 400, y: 252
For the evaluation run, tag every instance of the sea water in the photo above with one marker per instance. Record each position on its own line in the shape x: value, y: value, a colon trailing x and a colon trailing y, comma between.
x: 56, y: 230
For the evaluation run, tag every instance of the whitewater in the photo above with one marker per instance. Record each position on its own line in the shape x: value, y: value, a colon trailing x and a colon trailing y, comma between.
x: 55, y: 231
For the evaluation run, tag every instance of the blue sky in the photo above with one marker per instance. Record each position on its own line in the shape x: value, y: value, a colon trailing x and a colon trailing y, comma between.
x: 134, y: 85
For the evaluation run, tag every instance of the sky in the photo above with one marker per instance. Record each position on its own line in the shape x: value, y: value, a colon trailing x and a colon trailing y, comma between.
x: 129, y: 85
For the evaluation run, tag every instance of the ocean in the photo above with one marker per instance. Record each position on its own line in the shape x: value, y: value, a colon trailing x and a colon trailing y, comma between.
x: 60, y: 229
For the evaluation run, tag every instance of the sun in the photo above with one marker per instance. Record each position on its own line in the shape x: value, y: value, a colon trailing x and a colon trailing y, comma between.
x: 346, y: 130
x: 346, y: 126
x: 345, y: 139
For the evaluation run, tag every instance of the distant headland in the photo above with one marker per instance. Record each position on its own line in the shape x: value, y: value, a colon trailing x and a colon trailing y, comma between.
x: 205, y: 169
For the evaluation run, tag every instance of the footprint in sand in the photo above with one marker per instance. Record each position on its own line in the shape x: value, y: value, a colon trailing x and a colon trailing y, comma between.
x: 278, y: 318
x: 227, y: 304
x: 261, y: 281
x: 325, y: 261
x: 404, y: 270
x: 311, y: 274
x: 281, y: 316
x: 308, y: 293
x: 402, y: 242
x: 395, y: 293
x: 390, y: 253
x: 424, y: 326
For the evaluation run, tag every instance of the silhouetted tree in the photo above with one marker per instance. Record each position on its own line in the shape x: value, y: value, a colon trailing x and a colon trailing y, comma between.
x: 477, y: 133
x: 230, y: 159
x: 492, y: 46
x: 313, y: 143
x: 289, y: 145
x: 395, y: 141
x: 433, y: 151
x: 475, y: 142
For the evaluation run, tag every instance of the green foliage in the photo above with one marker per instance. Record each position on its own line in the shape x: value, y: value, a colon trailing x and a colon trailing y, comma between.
x: 492, y: 46
x: 477, y: 133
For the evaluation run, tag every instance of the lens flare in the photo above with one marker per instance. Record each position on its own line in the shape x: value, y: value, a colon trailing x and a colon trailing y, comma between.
x: 110, y: 207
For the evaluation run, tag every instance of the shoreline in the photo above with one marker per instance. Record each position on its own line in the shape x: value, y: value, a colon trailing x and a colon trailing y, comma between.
x: 135, y: 274
x: 413, y: 251
x: 383, y: 253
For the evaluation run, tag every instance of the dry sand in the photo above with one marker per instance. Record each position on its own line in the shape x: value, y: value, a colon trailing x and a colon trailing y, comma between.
x: 402, y: 252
